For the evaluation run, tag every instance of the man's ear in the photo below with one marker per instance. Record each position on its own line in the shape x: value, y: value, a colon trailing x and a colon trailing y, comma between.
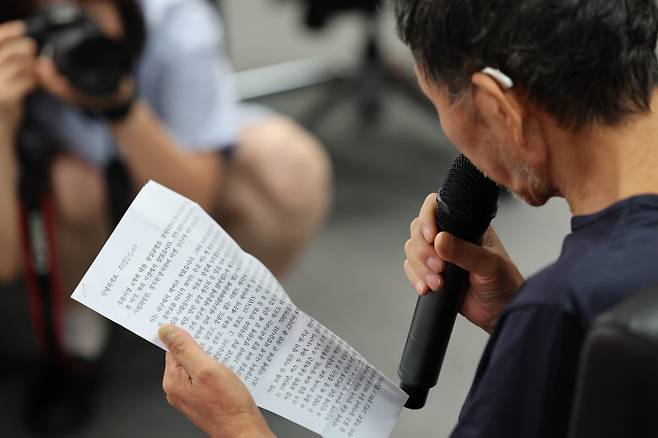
x: 510, y: 118
x: 500, y: 110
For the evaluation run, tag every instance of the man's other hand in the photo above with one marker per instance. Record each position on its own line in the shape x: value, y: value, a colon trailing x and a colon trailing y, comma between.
x: 494, y: 279
x: 207, y: 392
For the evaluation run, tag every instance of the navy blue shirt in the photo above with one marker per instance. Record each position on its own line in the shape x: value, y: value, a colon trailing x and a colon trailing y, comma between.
x: 524, y: 384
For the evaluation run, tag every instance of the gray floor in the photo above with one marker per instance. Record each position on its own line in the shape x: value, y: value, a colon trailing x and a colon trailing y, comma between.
x: 350, y: 278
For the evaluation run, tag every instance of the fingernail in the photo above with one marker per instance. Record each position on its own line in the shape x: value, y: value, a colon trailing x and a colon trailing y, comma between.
x: 441, y: 240
x: 433, y: 281
x: 420, y: 288
x: 434, y: 264
x: 427, y: 233
x: 166, y: 332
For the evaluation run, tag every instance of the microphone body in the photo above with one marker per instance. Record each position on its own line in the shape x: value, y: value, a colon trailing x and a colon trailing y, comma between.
x: 467, y: 203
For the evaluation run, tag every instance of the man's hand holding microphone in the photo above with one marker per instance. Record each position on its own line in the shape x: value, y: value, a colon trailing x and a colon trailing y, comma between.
x: 493, y: 280
x: 215, y: 399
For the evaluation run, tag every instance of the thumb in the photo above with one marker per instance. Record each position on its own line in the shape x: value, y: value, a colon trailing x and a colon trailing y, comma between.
x: 468, y: 256
x: 12, y: 29
x: 185, y: 350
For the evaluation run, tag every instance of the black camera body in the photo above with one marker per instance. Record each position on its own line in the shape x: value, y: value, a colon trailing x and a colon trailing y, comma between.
x: 93, y: 63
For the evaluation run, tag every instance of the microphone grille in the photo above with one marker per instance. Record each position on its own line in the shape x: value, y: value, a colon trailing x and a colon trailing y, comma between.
x: 467, y: 201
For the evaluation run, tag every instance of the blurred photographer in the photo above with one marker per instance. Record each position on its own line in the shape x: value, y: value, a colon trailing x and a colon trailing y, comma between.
x: 176, y: 120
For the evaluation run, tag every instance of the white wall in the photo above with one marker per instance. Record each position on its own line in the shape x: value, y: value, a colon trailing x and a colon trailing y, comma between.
x: 266, y: 32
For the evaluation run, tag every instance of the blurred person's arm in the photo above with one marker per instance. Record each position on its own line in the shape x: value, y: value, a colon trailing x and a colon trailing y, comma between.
x: 187, y: 116
x: 210, y: 394
x: 150, y: 152
x: 17, y: 79
x: 146, y: 146
x: 185, y: 113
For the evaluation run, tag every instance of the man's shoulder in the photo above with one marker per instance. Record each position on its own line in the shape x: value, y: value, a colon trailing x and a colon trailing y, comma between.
x: 615, y: 271
x: 595, y: 280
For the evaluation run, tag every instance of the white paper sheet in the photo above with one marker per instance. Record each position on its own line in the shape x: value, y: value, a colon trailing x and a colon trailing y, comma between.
x: 169, y: 262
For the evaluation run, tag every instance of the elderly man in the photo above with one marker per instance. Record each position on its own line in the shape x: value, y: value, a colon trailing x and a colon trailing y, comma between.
x: 548, y: 98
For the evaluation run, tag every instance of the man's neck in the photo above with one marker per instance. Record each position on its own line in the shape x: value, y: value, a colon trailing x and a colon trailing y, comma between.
x: 601, y: 166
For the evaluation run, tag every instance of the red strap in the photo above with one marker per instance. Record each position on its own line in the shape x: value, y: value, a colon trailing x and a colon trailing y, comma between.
x: 54, y: 291
x: 56, y: 288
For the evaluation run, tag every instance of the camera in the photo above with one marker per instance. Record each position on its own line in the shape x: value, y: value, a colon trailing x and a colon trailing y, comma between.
x: 93, y: 63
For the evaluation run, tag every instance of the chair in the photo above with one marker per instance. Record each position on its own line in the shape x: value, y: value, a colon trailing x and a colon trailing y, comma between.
x: 364, y: 85
x: 361, y: 85
x: 617, y: 393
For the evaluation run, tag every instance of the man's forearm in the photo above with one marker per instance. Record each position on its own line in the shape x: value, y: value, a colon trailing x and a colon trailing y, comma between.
x: 9, y: 241
x: 151, y: 153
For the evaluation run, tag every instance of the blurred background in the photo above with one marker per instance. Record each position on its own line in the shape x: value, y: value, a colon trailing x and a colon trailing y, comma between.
x: 350, y: 82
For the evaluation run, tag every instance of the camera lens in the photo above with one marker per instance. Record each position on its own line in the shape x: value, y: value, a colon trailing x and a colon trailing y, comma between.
x: 95, y: 66
x: 93, y: 63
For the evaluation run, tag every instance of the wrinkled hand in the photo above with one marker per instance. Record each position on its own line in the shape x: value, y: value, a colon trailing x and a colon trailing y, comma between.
x: 17, y: 72
x: 207, y: 392
x: 494, y: 279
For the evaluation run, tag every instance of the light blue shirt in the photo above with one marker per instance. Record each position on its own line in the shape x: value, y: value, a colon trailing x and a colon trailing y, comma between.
x: 185, y: 77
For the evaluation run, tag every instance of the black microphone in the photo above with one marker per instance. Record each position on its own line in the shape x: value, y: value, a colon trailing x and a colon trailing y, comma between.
x: 467, y: 203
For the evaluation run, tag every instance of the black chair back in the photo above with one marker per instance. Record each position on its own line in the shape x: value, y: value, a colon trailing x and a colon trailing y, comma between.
x: 617, y: 394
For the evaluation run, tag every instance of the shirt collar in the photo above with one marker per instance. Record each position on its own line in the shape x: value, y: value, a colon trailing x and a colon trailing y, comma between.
x: 581, y: 222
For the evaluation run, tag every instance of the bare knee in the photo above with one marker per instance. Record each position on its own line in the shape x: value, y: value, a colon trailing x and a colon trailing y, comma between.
x: 307, y: 185
x: 296, y: 169
x: 79, y: 191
